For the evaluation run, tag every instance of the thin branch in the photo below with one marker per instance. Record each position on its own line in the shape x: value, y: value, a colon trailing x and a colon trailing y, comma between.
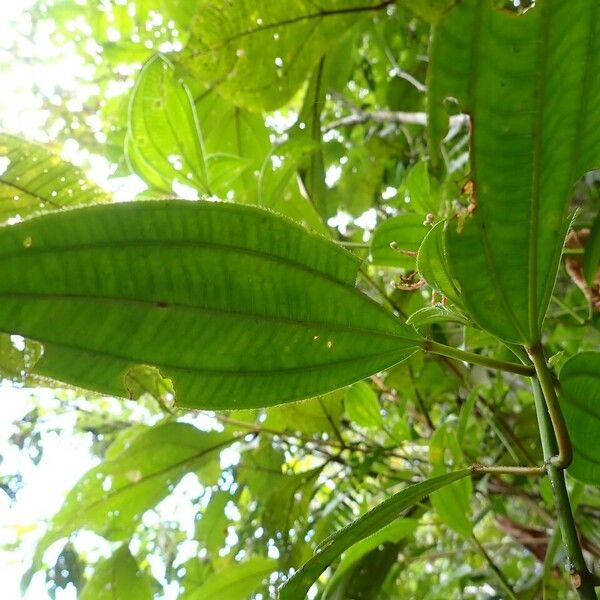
x: 390, y: 116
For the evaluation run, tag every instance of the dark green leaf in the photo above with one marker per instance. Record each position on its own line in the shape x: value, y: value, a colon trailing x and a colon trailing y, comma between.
x: 530, y: 141
x: 238, y: 307
x: 371, y: 522
x: 580, y: 403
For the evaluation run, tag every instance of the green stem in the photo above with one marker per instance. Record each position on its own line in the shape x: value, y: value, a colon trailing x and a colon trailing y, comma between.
x: 582, y: 579
x: 565, y: 452
x: 476, y: 359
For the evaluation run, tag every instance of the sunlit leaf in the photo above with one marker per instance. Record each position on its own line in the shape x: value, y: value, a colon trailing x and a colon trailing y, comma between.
x: 234, y: 581
x: 258, y: 53
x: 530, y: 84
x: 164, y: 143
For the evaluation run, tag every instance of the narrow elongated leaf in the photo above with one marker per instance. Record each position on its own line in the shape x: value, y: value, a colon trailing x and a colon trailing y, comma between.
x: 371, y: 522
x: 164, y: 143
x: 257, y: 53
x: 580, y: 403
x: 118, y: 578
x: 396, y: 241
x: 34, y: 180
x: 531, y: 84
x: 110, y: 498
x: 237, y: 306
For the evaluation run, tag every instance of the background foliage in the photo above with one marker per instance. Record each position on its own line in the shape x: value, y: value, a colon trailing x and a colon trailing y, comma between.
x: 316, y: 110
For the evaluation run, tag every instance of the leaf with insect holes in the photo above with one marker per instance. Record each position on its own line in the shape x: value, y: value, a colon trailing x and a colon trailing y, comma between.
x: 531, y: 85
x: 239, y: 307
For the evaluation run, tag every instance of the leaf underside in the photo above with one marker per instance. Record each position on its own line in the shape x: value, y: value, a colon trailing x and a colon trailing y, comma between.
x: 237, y: 306
x: 531, y: 85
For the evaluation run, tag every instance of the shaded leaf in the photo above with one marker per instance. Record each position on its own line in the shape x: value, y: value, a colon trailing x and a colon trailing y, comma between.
x: 237, y: 306
x: 530, y: 141
x: 580, y: 403
x: 371, y: 522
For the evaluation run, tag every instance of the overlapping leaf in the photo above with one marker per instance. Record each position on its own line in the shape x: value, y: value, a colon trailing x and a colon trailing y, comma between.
x: 531, y: 84
x: 239, y: 307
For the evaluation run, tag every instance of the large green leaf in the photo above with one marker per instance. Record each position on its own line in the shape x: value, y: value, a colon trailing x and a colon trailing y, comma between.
x: 531, y: 84
x: 34, y: 180
x: 164, y: 143
x: 371, y: 522
x: 118, y: 578
x: 580, y: 403
x: 239, y: 307
x: 257, y: 53
x: 110, y: 498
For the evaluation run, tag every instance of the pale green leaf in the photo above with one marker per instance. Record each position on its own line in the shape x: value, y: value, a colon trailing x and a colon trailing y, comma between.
x: 362, y: 405
x: 164, y: 143
x: 110, y: 498
x: 453, y: 502
x: 35, y: 180
x: 235, y: 581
